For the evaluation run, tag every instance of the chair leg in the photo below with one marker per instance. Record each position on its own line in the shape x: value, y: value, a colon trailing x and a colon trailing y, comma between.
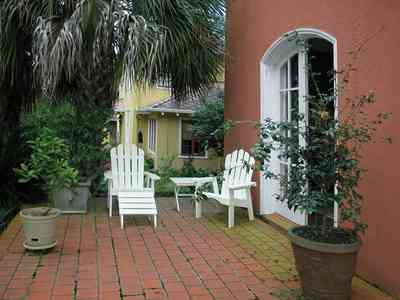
x: 250, y: 205
x: 198, y: 208
x: 155, y: 221
x: 110, y: 200
x: 177, y: 199
x: 231, y: 209
x: 122, y: 221
x: 110, y: 197
x: 231, y: 216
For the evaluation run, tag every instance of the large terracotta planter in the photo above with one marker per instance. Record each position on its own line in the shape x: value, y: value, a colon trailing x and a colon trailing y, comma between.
x: 39, y: 229
x: 326, y: 270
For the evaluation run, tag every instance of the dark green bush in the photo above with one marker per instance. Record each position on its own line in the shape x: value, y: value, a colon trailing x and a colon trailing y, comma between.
x: 82, y: 127
x: 48, y: 162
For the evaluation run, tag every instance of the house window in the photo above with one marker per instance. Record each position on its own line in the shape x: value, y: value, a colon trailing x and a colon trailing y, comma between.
x: 190, y: 145
x: 152, y: 135
x: 140, y: 137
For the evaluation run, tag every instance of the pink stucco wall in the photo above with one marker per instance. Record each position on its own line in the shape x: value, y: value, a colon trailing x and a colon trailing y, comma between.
x: 253, y: 25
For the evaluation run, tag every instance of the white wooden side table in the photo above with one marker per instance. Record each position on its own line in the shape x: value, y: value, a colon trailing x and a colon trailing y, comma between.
x: 194, y: 182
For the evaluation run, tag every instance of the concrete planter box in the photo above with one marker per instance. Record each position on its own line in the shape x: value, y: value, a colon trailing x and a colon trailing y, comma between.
x: 73, y: 200
x: 39, y: 226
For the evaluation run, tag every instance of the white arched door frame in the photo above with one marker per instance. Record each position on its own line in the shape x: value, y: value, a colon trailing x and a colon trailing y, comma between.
x: 280, y: 50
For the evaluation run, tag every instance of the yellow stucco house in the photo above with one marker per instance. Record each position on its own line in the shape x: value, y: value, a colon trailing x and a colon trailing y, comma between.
x: 161, y: 125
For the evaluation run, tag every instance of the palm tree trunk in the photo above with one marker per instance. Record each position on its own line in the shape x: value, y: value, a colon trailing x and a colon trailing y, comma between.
x: 10, y: 109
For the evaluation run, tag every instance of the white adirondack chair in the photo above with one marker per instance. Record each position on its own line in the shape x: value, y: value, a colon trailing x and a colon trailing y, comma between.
x: 236, y: 185
x: 133, y: 186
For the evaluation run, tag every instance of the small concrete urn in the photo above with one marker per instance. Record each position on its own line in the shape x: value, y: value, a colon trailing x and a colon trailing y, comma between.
x: 39, y: 226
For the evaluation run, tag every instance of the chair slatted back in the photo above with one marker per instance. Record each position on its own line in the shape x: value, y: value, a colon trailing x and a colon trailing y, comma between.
x: 127, y: 167
x: 238, y: 170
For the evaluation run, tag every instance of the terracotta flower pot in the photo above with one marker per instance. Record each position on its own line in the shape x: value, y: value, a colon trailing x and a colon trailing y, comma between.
x: 326, y: 270
x: 39, y: 229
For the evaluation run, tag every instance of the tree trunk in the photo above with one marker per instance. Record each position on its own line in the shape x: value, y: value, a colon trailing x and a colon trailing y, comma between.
x: 10, y: 109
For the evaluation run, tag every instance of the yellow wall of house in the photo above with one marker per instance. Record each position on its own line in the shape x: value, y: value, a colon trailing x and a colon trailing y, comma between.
x: 139, y: 97
x: 168, y: 126
x: 168, y: 144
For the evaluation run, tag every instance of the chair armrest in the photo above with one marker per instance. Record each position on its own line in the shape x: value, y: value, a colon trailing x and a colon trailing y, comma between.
x: 242, y: 186
x: 152, y: 176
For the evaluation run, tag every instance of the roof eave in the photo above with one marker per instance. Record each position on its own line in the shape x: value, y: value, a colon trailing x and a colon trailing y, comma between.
x: 165, y: 110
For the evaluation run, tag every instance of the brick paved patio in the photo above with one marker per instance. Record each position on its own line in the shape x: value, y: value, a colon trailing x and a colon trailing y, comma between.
x: 185, y: 258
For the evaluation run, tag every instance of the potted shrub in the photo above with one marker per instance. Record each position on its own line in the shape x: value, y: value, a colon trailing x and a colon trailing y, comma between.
x: 324, y: 154
x: 81, y: 126
x: 48, y: 163
x: 85, y: 138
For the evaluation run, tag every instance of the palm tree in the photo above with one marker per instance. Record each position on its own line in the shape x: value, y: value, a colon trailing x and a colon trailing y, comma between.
x: 87, y: 47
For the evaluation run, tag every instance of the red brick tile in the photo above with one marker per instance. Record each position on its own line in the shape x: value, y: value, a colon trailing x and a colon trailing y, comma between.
x: 87, y: 284
x: 63, y: 297
x: 87, y: 293
x: 109, y: 286
x: 178, y: 296
x: 155, y: 294
x: 202, y: 297
x: 134, y: 298
x: 14, y: 293
x: 197, y: 290
x: 221, y: 293
x: 111, y: 295
x: 151, y: 284
x: 236, y: 286
x: 226, y: 278
x: 244, y: 295
x: 216, y: 283
x: 39, y: 296
x: 63, y: 290
x: 132, y: 289
x: 19, y: 283
x: 174, y: 287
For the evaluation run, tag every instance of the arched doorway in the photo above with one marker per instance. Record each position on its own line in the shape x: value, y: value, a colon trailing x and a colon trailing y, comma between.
x: 285, y: 86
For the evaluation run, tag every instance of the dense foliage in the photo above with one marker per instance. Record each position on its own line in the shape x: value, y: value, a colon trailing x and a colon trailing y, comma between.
x: 49, y: 162
x: 324, y: 155
x: 82, y: 132
x: 209, y: 125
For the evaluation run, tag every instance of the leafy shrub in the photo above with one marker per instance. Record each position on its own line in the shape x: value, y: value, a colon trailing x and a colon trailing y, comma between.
x: 57, y: 117
x: 148, y: 164
x: 81, y: 127
x: 165, y: 187
x: 188, y: 170
x: 325, y: 156
x: 86, y: 140
x: 209, y: 125
x: 49, y: 162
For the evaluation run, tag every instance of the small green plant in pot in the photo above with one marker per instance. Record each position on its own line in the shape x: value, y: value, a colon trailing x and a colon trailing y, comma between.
x: 48, y: 163
x: 324, y: 155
